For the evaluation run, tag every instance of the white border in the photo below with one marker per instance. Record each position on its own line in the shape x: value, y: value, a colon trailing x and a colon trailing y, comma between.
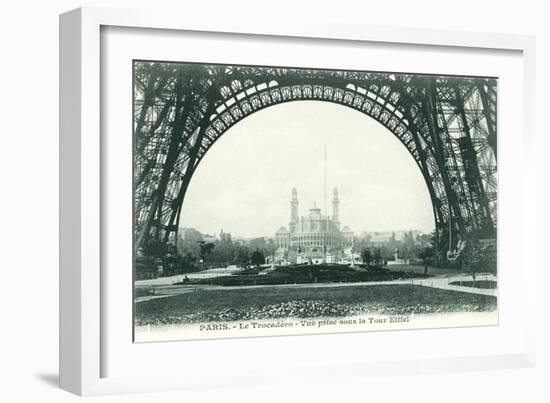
x: 80, y: 165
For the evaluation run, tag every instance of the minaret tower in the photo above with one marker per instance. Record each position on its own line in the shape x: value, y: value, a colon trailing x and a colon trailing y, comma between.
x: 293, y: 211
x: 335, y: 208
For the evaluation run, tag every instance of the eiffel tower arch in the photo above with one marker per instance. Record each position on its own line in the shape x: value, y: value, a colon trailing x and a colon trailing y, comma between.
x: 447, y: 124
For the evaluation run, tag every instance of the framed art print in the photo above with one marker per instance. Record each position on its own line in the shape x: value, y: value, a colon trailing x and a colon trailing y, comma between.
x: 226, y: 246
x: 260, y: 194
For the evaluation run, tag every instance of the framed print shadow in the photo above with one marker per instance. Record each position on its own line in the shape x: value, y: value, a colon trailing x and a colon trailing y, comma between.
x: 274, y: 200
x: 342, y: 189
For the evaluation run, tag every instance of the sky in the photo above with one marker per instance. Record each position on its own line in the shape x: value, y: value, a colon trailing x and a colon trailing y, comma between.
x: 243, y: 183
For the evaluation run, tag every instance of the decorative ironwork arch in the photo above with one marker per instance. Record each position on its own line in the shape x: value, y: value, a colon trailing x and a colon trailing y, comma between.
x: 383, y: 110
x: 448, y: 125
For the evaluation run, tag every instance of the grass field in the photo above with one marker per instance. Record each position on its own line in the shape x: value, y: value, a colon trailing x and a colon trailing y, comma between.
x: 487, y: 284
x: 307, y: 274
x: 436, y: 271
x: 256, y: 303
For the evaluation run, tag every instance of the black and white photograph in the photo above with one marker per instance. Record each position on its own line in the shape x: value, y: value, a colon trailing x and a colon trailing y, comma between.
x: 291, y: 201
x: 282, y: 200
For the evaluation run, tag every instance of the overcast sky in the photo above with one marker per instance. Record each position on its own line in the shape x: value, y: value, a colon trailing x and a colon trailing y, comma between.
x: 244, y: 182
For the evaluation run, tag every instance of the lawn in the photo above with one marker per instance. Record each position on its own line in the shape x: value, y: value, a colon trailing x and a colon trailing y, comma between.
x: 307, y: 274
x: 487, y: 284
x: 257, y: 303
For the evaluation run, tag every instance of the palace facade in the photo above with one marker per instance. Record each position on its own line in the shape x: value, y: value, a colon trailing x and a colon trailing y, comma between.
x: 313, y: 238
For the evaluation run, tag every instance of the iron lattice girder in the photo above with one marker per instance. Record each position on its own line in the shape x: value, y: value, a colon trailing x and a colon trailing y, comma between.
x: 180, y: 110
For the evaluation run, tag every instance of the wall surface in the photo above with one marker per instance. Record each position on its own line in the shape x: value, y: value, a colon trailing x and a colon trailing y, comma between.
x: 29, y: 201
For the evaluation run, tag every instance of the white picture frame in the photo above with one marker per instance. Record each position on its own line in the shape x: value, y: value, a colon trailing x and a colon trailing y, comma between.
x: 83, y: 307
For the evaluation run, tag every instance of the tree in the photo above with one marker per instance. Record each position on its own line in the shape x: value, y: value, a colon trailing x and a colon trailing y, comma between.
x: 154, y: 248
x: 257, y: 258
x: 426, y: 254
x: 377, y: 257
x: 359, y: 244
x: 490, y: 259
x: 205, y: 250
x: 366, y: 256
x: 186, y: 264
x: 265, y: 246
x: 223, y: 252
x: 188, y: 242
x: 242, y: 257
x: 472, y: 258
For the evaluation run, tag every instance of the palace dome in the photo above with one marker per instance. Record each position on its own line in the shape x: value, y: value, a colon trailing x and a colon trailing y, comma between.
x: 314, y: 235
x: 282, y: 231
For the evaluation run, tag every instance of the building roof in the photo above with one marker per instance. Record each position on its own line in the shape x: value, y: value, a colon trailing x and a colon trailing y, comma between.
x: 314, y: 214
x: 281, y: 231
x: 347, y: 229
